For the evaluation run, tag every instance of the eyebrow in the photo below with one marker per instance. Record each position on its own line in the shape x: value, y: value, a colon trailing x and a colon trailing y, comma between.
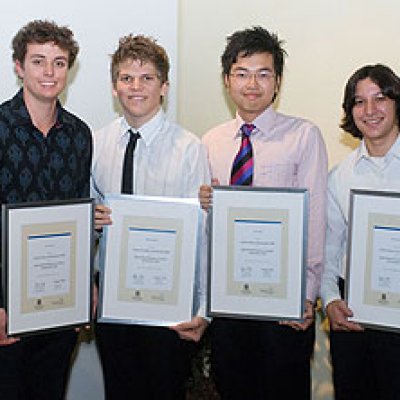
x: 257, y: 69
x: 43, y: 56
x: 141, y: 74
x: 373, y: 94
x: 252, y: 70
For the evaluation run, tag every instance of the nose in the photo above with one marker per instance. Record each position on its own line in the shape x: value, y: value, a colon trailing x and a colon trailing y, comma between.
x: 370, y: 106
x: 49, y: 69
x: 136, y: 83
x: 252, y: 80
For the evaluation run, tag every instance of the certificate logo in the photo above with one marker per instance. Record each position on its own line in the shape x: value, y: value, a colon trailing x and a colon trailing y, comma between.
x: 246, y: 289
x: 39, y: 304
x: 383, y: 299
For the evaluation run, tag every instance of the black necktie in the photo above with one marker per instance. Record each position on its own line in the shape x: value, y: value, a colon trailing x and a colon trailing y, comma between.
x: 127, y: 171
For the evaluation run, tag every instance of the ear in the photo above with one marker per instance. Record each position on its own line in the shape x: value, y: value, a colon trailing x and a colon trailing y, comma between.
x: 19, y: 69
x: 226, y: 81
x: 164, y: 89
x: 277, y: 85
x: 114, y: 91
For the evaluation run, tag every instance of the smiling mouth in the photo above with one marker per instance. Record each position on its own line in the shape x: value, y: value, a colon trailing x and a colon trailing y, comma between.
x: 140, y: 98
x: 373, y: 121
x: 251, y: 95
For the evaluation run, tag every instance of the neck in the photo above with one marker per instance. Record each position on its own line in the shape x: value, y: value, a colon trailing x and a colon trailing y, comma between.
x: 379, y: 147
x: 248, y: 117
x: 137, y: 122
x: 43, y: 114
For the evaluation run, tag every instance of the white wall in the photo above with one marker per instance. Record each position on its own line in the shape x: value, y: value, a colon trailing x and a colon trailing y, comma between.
x: 97, y: 27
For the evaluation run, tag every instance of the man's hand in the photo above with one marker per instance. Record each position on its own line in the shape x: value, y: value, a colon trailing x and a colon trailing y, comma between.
x: 4, y: 340
x: 192, y: 330
x: 308, y: 317
x: 205, y: 194
x: 101, y: 216
x: 338, y: 312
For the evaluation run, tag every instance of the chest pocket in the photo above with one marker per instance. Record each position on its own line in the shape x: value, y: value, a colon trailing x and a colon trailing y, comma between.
x: 278, y: 175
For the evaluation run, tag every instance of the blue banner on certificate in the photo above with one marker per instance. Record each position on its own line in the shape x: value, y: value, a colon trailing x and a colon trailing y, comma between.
x: 257, y: 253
x: 148, y: 261
x: 373, y: 260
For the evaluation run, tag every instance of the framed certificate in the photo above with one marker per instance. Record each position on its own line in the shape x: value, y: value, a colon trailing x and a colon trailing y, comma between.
x: 148, y: 260
x: 47, y: 264
x: 257, y: 253
x: 372, y: 288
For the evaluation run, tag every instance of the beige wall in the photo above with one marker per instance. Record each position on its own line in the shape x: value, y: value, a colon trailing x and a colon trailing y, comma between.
x: 326, y: 42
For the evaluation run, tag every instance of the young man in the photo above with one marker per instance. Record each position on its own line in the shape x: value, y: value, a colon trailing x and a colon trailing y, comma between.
x: 365, y: 362
x: 45, y: 155
x: 141, y: 361
x: 251, y: 359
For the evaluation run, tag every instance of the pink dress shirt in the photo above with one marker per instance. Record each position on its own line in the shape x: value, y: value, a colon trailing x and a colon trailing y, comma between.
x: 288, y: 152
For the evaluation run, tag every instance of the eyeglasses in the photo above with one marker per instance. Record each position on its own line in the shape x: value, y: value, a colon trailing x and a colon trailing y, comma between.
x: 145, y: 79
x: 243, y: 76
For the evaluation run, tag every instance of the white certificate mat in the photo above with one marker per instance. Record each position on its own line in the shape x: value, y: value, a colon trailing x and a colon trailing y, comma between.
x: 148, y: 260
x: 47, y: 259
x: 373, y: 261
x: 258, y: 252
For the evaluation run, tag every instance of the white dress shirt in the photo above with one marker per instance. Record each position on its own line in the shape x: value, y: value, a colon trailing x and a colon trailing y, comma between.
x: 168, y: 161
x: 358, y: 171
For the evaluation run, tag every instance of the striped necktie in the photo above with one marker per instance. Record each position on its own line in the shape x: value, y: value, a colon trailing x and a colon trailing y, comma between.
x: 243, y: 165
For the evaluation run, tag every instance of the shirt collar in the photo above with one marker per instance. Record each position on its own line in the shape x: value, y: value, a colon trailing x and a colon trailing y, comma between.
x: 264, y: 122
x: 21, y: 112
x: 362, y: 153
x: 148, y: 131
x: 393, y: 152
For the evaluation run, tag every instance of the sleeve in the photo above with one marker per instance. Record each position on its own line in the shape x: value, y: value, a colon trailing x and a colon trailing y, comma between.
x: 97, y: 195
x: 312, y: 174
x: 336, y: 238
x: 95, y: 191
x: 84, y: 181
x: 198, y: 170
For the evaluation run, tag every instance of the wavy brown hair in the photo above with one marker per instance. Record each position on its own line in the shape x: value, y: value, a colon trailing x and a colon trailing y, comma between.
x: 42, y: 31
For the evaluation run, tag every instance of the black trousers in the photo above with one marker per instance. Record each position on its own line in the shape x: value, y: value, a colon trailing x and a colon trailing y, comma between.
x: 140, y: 362
x: 366, y: 365
x: 37, y: 367
x: 261, y: 360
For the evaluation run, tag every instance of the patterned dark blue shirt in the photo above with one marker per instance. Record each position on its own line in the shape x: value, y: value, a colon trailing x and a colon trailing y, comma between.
x: 34, y: 167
